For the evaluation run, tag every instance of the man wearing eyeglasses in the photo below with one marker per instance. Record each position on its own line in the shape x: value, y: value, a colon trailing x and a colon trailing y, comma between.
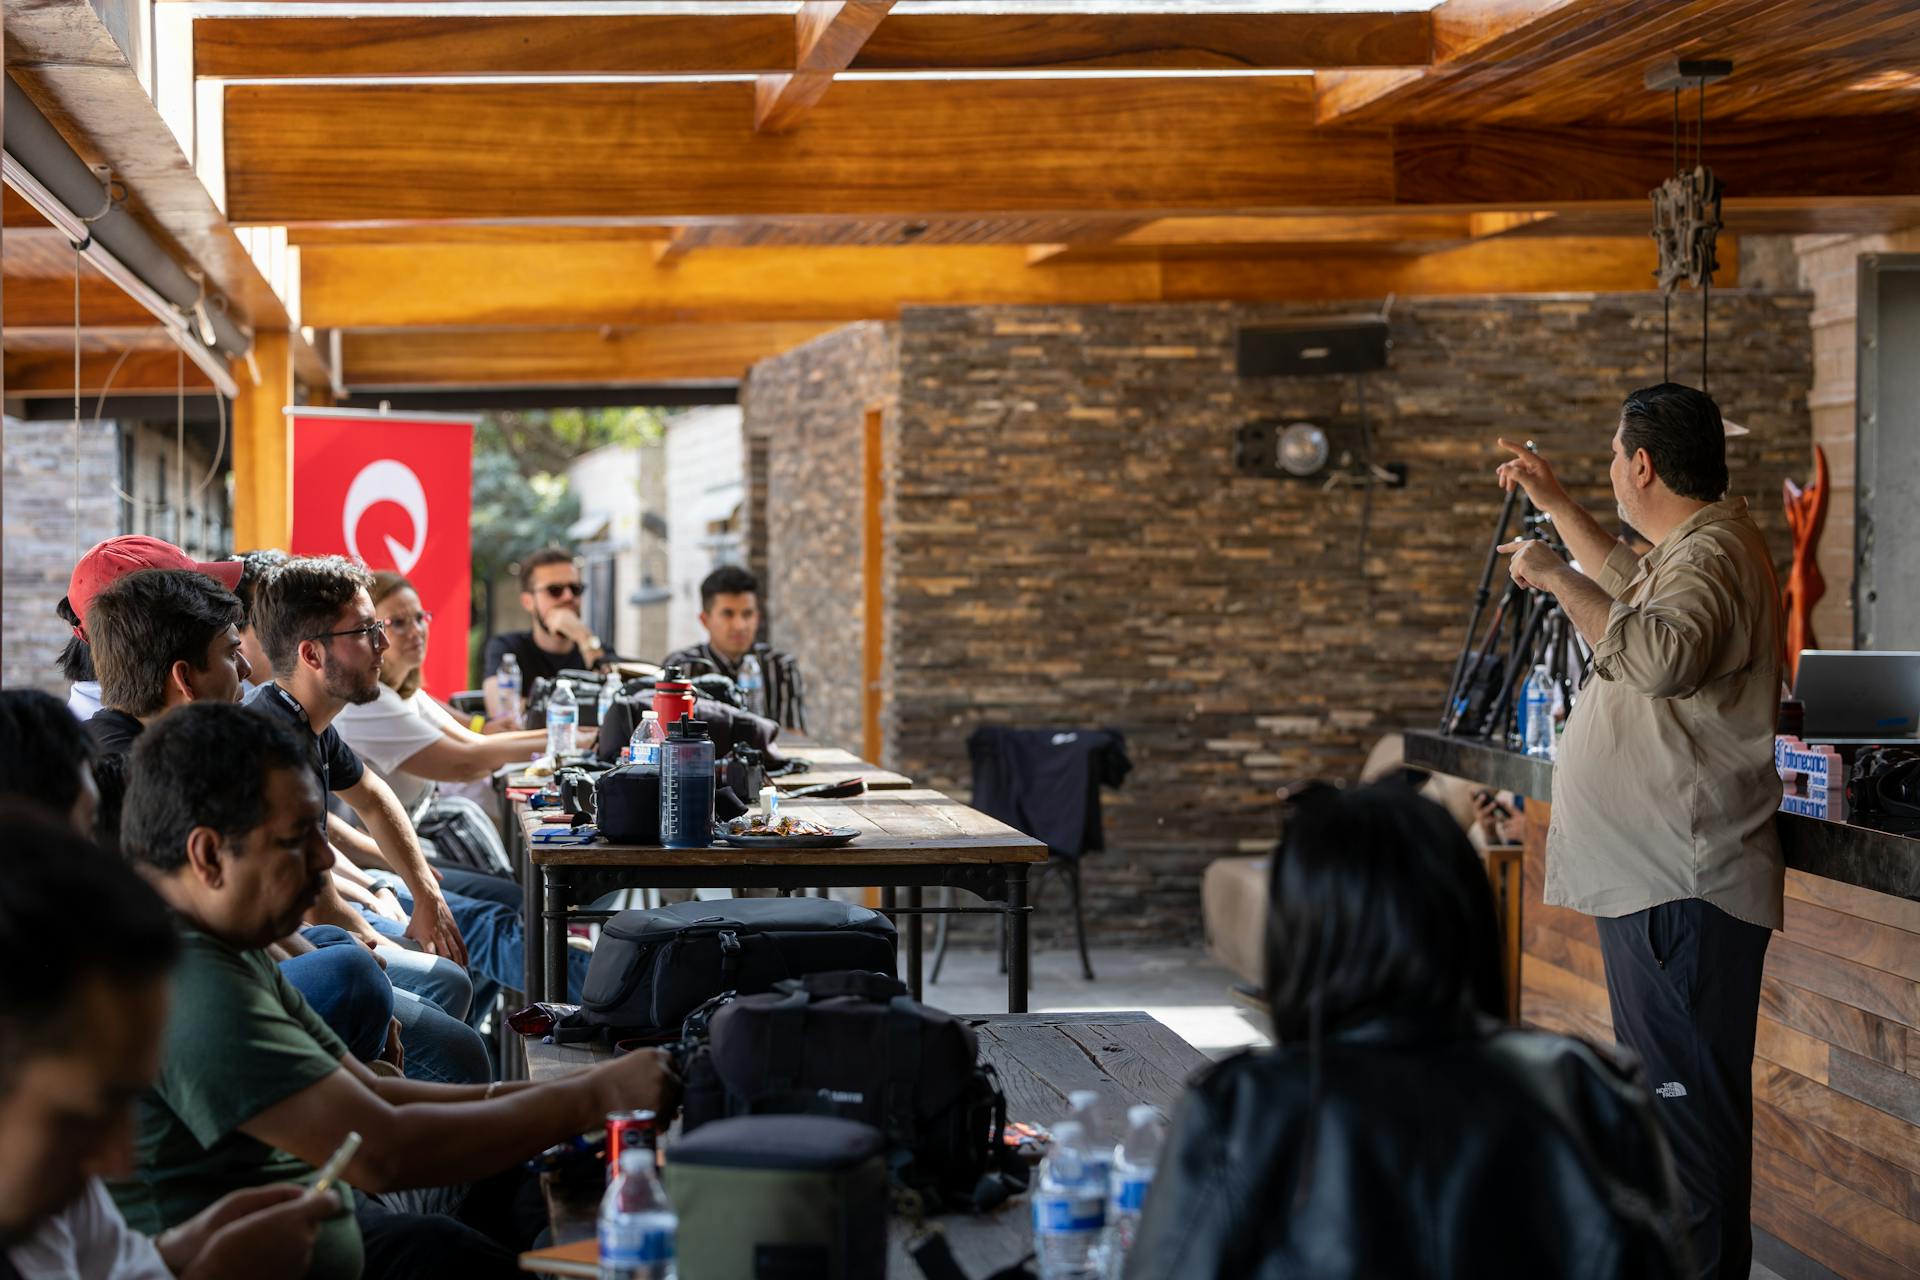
x: 553, y: 591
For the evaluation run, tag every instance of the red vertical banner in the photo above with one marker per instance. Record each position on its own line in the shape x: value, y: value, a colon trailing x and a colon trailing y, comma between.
x: 394, y: 491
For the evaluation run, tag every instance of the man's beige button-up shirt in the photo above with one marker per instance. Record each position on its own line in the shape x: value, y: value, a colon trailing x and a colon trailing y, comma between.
x: 1664, y: 786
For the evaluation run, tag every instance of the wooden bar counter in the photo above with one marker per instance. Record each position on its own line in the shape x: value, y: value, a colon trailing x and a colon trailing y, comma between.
x: 1836, y: 1073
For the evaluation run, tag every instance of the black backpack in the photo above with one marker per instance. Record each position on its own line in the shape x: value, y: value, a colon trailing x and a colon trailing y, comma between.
x: 652, y: 968
x: 855, y: 1045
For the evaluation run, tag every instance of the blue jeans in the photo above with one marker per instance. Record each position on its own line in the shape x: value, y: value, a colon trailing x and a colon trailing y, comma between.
x: 436, y: 1046
x: 345, y: 987
x: 487, y: 909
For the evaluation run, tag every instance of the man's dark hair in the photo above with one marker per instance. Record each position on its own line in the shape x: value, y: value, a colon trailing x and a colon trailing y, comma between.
x: 299, y: 601
x: 76, y: 658
x: 42, y: 750
x: 1681, y: 430
x: 727, y: 580
x: 47, y: 875
x: 255, y: 565
x: 201, y: 765
x: 540, y: 560
x: 146, y: 622
x: 1378, y: 910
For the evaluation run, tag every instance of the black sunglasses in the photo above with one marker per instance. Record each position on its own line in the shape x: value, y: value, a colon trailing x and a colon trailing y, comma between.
x: 555, y: 590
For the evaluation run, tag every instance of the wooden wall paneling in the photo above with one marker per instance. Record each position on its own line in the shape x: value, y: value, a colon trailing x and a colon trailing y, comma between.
x: 1792, y: 1221
x: 1881, y: 1180
x: 1851, y: 937
x: 1888, y: 1088
x: 1831, y: 1020
x: 1890, y: 996
x: 1864, y: 1125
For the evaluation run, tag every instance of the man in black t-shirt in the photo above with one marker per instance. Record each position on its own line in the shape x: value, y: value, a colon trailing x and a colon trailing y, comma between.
x: 552, y: 590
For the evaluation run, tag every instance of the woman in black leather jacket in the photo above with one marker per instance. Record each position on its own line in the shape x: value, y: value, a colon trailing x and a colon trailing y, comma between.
x: 1399, y: 1130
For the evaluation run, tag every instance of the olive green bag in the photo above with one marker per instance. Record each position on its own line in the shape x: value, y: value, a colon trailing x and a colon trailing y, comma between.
x: 780, y: 1197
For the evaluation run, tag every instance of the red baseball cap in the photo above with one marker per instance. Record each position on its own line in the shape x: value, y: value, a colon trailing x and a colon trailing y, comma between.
x: 114, y: 559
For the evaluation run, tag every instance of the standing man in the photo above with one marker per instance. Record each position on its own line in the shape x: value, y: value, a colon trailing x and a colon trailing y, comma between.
x: 1664, y: 789
x: 553, y: 591
x: 730, y: 611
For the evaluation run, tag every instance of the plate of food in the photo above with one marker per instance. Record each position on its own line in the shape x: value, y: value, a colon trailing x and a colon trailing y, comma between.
x: 754, y: 831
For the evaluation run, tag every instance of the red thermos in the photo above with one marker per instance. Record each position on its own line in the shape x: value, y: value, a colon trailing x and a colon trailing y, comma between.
x: 672, y: 697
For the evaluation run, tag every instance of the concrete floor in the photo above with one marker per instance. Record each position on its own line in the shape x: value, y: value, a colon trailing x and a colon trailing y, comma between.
x: 1179, y: 986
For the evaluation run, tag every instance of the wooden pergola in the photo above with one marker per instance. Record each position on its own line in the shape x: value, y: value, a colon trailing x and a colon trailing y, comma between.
x: 653, y: 195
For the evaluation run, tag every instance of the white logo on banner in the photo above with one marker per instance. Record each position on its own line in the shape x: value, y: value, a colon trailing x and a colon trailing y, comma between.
x: 387, y: 481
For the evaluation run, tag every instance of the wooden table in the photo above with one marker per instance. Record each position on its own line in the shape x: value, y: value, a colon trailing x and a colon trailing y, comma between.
x: 909, y: 840
x: 1128, y: 1057
x: 828, y: 765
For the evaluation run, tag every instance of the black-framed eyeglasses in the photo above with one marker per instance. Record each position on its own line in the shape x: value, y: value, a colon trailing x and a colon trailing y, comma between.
x: 378, y: 627
x: 555, y: 590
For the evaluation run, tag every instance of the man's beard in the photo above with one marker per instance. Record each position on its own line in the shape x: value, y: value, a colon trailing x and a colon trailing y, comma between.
x: 351, y: 688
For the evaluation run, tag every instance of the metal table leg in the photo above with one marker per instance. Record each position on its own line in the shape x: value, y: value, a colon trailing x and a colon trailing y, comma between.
x: 1017, y: 938
x: 554, y: 984
x: 914, y: 936
x: 531, y: 955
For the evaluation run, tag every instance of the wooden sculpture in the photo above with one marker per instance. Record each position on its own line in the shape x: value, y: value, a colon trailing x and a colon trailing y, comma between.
x: 1806, y: 517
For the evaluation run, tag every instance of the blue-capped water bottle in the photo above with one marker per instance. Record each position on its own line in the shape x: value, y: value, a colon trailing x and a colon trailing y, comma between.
x: 1069, y: 1208
x: 638, y: 1226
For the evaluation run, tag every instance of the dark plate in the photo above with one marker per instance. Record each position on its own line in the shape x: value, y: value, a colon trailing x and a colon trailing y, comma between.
x: 833, y: 840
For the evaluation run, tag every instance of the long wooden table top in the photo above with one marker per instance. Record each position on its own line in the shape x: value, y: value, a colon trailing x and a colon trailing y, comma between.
x: 896, y: 827
x: 832, y: 765
x: 1126, y: 1056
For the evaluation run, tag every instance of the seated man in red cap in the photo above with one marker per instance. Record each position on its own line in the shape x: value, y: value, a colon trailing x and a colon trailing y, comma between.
x: 99, y: 569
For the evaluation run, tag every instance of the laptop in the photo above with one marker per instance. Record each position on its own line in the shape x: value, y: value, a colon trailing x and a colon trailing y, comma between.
x: 1859, y: 695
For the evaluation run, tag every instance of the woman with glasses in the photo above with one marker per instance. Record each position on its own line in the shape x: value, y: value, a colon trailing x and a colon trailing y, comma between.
x: 1398, y: 1127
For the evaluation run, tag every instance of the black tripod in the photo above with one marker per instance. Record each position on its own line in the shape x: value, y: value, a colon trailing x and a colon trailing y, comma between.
x: 1527, y: 629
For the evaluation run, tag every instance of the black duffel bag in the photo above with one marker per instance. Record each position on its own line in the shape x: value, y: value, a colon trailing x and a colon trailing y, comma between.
x: 652, y: 968
x: 855, y: 1045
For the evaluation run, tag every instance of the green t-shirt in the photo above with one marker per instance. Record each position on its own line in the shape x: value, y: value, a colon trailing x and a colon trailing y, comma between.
x: 239, y: 1039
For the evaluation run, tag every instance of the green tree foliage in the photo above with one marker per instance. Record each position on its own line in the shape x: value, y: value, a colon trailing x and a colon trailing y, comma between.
x: 521, y: 501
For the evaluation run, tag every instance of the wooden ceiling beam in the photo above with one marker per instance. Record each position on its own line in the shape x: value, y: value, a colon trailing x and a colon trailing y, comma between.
x: 826, y: 36
x: 1463, y: 32
x: 373, y: 45
x: 610, y: 356
x: 324, y: 153
x: 44, y: 374
x: 498, y: 286
x: 678, y: 152
x: 369, y: 44
x: 38, y: 302
x: 82, y: 63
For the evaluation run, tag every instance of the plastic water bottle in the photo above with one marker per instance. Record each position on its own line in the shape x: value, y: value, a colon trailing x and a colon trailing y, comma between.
x: 686, y: 786
x: 1069, y: 1208
x: 753, y: 684
x: 1134, y: 1162
x: 563, y: 713
x: 507, y: 682
x: 644, y: 747
x: 1086, y: 1111
x: 637, y: 1222
x: 1537, y: 699
x: 609, y: 690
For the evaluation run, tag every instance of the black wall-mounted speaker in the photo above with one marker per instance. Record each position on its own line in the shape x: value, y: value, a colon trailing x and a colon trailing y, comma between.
x: 1293, y: 351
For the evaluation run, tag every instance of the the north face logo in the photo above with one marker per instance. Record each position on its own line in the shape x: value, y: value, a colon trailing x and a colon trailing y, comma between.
x: 1671, y: 1089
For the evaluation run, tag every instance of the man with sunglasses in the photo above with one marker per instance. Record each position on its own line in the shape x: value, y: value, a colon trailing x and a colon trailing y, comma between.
x: 553, y: 592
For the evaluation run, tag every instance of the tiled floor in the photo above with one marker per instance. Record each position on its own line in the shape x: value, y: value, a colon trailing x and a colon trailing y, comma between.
x: 1180, y: 987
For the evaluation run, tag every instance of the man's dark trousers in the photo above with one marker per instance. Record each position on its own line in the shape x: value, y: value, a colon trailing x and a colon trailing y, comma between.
x: 1683, y: 979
